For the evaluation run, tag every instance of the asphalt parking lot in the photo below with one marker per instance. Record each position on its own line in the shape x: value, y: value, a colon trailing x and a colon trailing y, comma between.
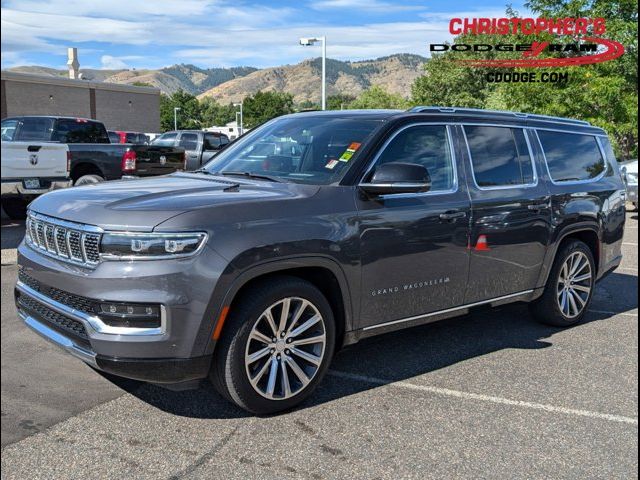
x: 489, y: 395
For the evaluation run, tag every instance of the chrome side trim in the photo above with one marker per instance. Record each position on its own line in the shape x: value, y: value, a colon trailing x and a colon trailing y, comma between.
x: 448, y: 310
x: 59, y: 340
x: 501, y: 187
x: 92, y: 323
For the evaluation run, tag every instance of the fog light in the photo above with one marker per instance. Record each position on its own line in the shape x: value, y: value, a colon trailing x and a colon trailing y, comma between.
x: 133, y: 315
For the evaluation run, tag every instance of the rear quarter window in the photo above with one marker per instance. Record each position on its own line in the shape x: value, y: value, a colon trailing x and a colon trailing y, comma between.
x: 571, y: 157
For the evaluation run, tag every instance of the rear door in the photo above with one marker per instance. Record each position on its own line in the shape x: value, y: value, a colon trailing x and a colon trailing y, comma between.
x: 510, y: 208
x: 191, y: 143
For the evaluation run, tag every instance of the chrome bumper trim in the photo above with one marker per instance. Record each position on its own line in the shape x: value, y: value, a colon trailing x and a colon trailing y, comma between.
x: 90, y: 322
x: 17, y: 188
x: 58, y: 339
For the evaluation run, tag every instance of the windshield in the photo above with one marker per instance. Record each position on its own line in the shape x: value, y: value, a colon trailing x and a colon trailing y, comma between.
x: 315, y: 150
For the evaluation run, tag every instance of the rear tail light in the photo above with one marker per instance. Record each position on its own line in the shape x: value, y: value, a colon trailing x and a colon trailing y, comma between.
x: 68, y: 162
x: 184, y: 161
x: 129, y: 161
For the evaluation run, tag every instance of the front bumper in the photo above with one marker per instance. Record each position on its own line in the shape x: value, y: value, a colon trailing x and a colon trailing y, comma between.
x: 173, y: 353
x: 16, y: 187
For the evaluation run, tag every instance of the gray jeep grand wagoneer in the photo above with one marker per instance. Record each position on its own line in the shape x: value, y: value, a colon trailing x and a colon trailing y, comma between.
x: 316, y: 230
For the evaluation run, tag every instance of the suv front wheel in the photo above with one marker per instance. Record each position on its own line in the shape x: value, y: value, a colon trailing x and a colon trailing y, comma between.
x: 569, y: 289
x: 276, y: 346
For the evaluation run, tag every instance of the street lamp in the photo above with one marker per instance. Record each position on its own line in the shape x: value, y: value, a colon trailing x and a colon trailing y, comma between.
x: 241, y: 126
x: 175, y: 117
x: 308, y: 42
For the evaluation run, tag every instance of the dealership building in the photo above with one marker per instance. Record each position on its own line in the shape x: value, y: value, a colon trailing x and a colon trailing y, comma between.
x: 119, y: 107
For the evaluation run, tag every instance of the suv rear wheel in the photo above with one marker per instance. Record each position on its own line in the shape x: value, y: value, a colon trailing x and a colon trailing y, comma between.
x: 276, y: 346
x: 569, y: 289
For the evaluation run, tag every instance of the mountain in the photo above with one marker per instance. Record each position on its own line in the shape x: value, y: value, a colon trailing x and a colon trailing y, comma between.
x: 394, y: 73
x: 169, y: 80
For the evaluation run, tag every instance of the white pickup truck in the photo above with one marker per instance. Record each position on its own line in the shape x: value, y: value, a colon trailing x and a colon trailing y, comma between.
x: 30, y: 169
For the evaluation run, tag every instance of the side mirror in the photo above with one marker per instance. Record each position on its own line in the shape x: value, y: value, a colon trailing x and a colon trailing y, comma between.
x: 398, y: 178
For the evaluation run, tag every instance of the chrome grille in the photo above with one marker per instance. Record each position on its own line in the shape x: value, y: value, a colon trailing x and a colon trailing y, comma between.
x: 67, y: 241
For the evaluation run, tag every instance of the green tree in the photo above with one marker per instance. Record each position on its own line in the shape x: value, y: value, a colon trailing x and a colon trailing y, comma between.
x: 214, y: 113
x: 377, y: 97
x: 189, y: 116
x: 605, y: 94
x: 340, y: 101
x: 263, y: 106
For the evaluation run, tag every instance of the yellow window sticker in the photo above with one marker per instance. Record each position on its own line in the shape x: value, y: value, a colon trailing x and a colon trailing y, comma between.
x: 346, y: 156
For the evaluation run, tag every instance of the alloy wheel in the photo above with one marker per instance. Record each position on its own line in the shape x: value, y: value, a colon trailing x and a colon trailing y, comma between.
x: 574, y: 284
x: 285, y: 348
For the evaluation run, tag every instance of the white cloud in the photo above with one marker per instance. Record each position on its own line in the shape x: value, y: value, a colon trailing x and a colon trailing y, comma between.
x: 112, y: 63
x: 223, y: 35
x: 362, y: 5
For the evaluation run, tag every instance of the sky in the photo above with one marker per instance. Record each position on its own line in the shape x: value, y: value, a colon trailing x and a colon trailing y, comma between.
x: 140, y: 34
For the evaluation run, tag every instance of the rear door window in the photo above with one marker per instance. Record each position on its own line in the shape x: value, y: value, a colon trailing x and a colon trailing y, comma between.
x: 211, y: 141
x: 571, y: 157
x: 189, y: 141
x: 80, y: 131
x: 500, y: 156
x: 35, y: 129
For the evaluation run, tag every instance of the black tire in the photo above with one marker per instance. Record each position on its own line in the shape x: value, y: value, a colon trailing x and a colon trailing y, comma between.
x: 15, y: 207
x: 228, y: 372
x: 88, y: 179
x: 547, y: 309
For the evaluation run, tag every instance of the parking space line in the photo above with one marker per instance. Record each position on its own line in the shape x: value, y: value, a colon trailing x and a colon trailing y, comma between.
x: 486, y: 398
x: 629, y: 244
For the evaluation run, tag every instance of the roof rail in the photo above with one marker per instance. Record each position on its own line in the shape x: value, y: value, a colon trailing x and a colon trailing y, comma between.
x: 531, y: 116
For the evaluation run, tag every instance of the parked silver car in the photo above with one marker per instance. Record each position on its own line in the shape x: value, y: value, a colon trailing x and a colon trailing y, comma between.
x: 629, y: 172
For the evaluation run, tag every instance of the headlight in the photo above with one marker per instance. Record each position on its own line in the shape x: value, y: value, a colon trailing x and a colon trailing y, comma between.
x: 150, y: 246
x: 632, y: 177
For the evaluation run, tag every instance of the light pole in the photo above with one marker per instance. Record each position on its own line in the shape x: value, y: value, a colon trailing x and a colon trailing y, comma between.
x: 308, y: 42
x: 241, y: 126
x: 175, y: 117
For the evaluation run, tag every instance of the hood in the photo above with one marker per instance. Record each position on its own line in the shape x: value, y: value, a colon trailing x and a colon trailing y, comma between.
x: 140, y: 205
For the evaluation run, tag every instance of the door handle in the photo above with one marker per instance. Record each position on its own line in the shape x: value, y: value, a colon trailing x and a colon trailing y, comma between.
x: 536, y: 207
x: 452, y: 215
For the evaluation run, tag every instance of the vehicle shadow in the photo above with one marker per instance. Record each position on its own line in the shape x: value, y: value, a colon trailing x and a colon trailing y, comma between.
x: 12, y: 232
x: 407, y: 353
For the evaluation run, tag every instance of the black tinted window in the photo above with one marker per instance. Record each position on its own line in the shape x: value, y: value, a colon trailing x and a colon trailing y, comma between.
x: 211, y: 142
x: 426, y: 145
x: 80, y: 131
x: 571, y: 157
x: 166, y: 139
x: 8, y: 129
x: 35, y: 128
x: 189, y: 141
x: 500, y: 156
x: 114, y: 137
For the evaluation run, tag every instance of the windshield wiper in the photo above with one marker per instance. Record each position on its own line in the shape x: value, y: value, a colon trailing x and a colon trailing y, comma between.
x: 251, y: 175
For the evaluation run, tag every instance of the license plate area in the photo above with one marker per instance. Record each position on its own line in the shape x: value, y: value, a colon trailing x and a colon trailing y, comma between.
x: 31, y: 183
